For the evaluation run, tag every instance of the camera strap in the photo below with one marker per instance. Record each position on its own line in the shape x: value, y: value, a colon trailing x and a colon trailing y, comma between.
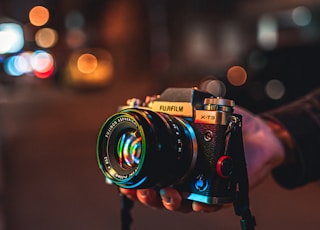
x: 125, y: 212
x: 241, y: 191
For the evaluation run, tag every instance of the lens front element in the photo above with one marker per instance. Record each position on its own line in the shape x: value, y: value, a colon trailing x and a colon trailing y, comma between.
x: 129, y: 149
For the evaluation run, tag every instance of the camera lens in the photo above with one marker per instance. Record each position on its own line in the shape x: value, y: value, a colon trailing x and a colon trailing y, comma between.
x: 141, y: 149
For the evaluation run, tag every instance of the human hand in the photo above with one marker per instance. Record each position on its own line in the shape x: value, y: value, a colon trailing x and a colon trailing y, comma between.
x: 263, y: 152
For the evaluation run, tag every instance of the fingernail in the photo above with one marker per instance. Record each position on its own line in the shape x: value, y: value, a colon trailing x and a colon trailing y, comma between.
x: 165, y: 197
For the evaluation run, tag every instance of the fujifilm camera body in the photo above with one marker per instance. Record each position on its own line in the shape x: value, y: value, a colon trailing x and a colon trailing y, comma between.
x: 185, y: 137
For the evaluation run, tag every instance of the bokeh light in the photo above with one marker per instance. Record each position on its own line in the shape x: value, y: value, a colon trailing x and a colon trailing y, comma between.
x: 89, y: 68
x: 23, y: 62
x: 45, y: 74
x: 10, y: 66
x: 11, y: 38
x: 39, y: 15
x: 215, y: 87
x: 46, y: 37
x: 197, y: 41
x: 275, y: 89
x: 87, y: 63
x: 301, y: 16
x: 39, y: 63
x: 237, y: 75
x: 74, y: 20
x: 267, y: 32
x: 42, y: 64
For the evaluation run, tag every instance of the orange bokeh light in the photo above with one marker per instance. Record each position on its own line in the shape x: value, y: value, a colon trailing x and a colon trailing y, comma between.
x: 39, y: 16
x: 89, y: 68
x: 237, y: 75
x: 87, y: 63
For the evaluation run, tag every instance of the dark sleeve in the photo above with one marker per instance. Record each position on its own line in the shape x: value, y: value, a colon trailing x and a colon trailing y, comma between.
x: 302, y: 120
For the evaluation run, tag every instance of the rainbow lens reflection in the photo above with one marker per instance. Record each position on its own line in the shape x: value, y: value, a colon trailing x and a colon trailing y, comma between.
x: 129, y: 149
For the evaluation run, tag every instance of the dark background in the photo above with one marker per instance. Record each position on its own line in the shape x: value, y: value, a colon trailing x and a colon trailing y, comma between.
x: 48, y: 127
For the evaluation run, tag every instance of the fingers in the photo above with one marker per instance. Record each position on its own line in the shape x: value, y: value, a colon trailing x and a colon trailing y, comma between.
x: 130, y: 193
x: 149, y: 197
x: 169, y: 198
x: 172, y: 200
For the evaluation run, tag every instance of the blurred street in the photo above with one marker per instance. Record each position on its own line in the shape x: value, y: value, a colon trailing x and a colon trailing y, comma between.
x: 65, y: 66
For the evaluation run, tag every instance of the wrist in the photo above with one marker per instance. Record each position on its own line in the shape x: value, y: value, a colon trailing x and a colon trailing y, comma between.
x: 291, y: 172
x: 286, y: 141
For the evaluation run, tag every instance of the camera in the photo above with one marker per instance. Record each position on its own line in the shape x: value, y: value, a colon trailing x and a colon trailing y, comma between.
x: 186, y: 138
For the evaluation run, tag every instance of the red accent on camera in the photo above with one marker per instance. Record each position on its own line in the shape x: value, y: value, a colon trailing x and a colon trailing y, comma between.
x: 222, y: 161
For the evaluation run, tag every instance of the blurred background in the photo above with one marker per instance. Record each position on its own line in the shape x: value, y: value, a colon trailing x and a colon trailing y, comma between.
x: 65, y: 66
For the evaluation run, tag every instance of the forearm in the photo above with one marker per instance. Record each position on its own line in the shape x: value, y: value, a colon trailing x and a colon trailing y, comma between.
x: 298, y: 127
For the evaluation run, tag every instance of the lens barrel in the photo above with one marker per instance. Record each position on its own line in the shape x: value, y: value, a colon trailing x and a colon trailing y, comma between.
x: 139, y: 148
